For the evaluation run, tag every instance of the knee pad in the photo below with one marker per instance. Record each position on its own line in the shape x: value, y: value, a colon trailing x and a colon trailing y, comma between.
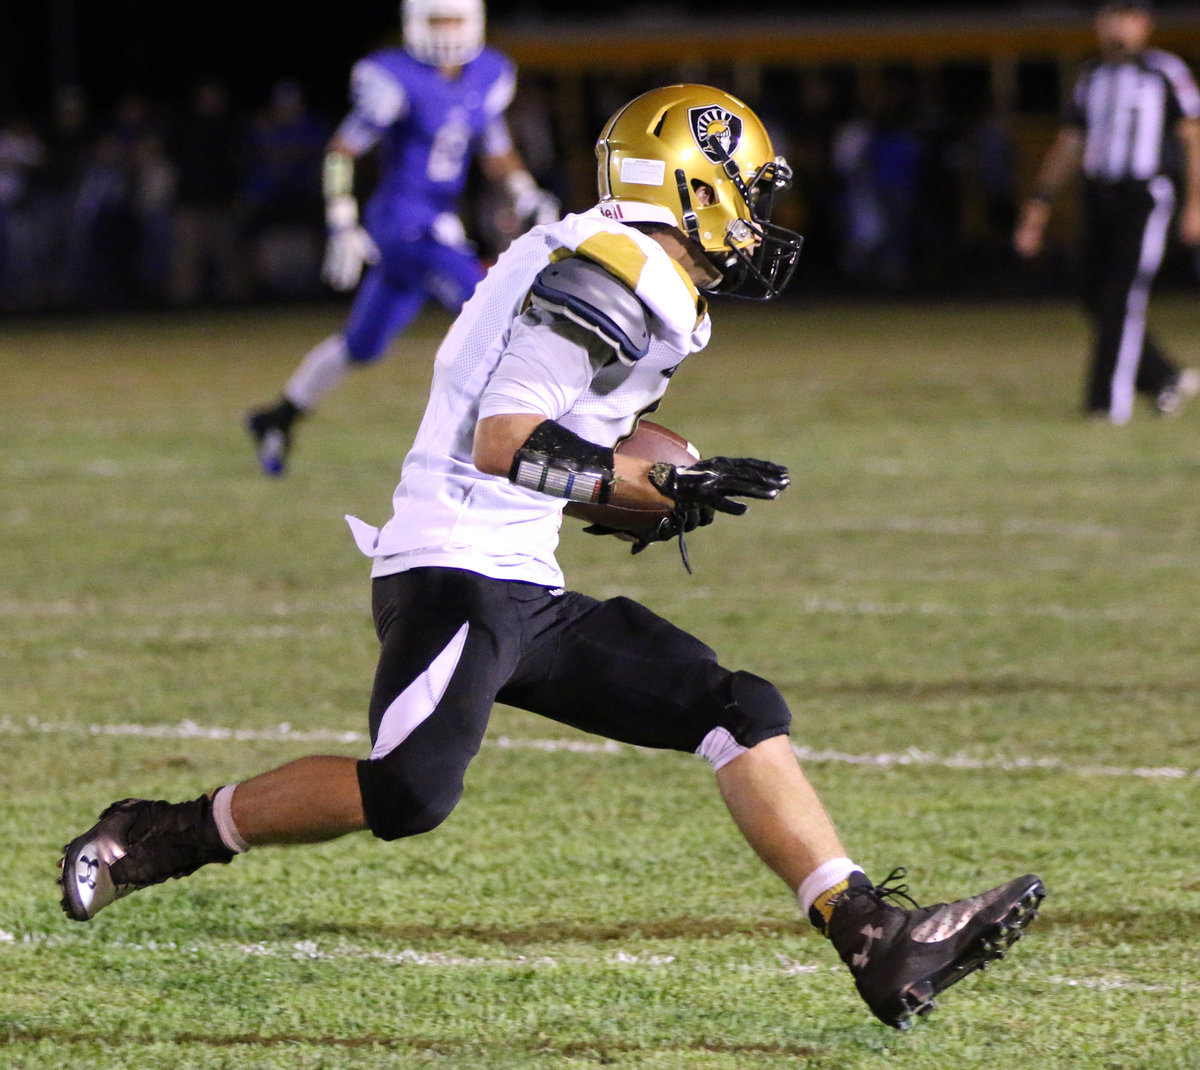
x: 753, y: 711
x: 395, y: 806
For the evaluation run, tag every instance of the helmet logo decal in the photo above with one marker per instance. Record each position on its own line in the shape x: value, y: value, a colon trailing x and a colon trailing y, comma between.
x: 715, y: 121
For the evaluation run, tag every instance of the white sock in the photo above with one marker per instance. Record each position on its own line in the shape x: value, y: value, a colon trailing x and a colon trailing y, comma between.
x: 223, y: 815
x: 827, y: 875
x: 323, y: 367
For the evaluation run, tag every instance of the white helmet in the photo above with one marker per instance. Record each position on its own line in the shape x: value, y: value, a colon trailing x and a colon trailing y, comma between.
x: 450, y: 43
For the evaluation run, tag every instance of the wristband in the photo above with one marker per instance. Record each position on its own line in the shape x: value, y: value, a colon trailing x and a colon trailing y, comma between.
x: 337, y: 176
x: 558, y: 463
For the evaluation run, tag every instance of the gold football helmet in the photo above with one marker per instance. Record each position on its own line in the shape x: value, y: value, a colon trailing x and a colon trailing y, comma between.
x: 700, y: 160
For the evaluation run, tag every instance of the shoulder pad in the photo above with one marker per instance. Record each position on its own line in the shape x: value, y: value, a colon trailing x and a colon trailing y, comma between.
x: 378, y: 94
x: 587, y: 294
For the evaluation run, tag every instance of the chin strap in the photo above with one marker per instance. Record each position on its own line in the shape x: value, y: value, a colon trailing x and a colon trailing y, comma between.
x: 691, y: 224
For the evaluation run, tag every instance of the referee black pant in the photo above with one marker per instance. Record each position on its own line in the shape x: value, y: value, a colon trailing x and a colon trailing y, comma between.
x: 1126, y: 226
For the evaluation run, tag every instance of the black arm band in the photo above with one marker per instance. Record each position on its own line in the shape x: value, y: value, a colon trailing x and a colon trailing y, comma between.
x: 559, y: 463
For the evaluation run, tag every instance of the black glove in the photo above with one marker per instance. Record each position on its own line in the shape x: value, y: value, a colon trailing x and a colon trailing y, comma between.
x: 674, y: 524
x: 715, y: 481
x: 680, y: 520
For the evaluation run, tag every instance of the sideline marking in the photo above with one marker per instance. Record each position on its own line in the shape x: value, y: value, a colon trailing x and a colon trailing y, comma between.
x: 911, y: 757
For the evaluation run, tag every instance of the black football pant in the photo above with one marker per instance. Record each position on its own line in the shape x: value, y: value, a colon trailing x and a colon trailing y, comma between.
x: 1126, y: 226
x: 453, y: 643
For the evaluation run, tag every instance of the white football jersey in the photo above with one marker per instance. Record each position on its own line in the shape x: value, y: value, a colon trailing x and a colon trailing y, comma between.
x: 500, y: 356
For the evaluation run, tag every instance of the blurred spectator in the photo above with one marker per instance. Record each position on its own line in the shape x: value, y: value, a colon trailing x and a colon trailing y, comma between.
x: 206, y: 147
x: 148, y: 196
x: 935, y: 233
x: 880, y: 161
x: 283, y: 188
x: 21, y: 155
x: 813, y: 124
x: 68, y: 147
x: 897, y: 158
x: 860, y: 213
x: 153, y: 202
x: 993, y: 161
x: 102, y: 236
x: 133, y: 119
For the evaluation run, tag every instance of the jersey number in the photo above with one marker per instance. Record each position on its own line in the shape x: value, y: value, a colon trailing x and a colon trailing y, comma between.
x: 448, y: 153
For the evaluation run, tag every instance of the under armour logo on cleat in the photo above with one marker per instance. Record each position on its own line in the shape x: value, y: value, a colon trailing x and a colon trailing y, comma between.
x: 872, y: 933
x: 85, y: 870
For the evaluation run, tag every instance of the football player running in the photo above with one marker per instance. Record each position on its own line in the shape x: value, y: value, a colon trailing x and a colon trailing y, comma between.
x: 576, y: 330
x: 427, y: 108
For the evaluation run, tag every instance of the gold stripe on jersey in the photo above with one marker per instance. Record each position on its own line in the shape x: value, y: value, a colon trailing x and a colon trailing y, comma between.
x: 617, y: 252
x: 680, y: 313
x: 620, y: 255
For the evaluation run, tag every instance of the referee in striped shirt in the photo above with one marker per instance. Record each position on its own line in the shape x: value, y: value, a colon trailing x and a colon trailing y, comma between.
x: 1134, y: 129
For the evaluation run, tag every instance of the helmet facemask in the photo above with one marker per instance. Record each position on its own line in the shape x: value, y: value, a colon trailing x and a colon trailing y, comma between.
x: 759, y: 256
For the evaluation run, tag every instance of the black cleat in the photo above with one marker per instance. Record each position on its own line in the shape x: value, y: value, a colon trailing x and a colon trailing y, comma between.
x: 136, y: 843
x: 902, y: 957
x: 271, y: 430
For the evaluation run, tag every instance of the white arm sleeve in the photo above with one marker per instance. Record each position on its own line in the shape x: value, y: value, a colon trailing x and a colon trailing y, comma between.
x: 546, y: 365
x: 501, y: 92
x: 496, y: 140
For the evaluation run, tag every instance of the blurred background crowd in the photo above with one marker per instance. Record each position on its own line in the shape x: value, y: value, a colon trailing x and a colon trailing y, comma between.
x: 141, y: 204
x: 912, y: 135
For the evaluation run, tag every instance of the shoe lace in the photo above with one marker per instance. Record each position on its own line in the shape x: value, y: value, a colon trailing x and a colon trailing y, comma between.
x: 891, y: 888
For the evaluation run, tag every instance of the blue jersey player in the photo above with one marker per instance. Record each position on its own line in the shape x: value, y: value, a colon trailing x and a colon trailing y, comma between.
x: 427, y: 108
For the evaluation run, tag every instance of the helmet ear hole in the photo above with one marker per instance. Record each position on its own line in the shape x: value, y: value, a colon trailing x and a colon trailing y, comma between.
x: 703, y: 193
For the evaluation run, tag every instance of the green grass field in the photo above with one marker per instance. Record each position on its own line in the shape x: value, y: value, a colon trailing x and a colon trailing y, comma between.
x: 982, y: 609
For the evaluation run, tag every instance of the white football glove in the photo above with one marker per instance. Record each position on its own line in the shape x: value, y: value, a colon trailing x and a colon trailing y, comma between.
x: 348, y: 246
x: 531, y: 203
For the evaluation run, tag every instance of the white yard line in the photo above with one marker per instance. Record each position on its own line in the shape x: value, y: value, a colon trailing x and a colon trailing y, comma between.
x: 965, y: 526
x: 128, y: 620
x: 815, y: 605
x: 313, y: 951
x: 190, y: 730
x: 1002, y: 763
x: 182, y: 730
x: 178, y: 611
x: 178, y: 621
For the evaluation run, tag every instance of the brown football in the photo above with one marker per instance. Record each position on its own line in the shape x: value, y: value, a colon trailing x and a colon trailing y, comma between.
x: 649, y: 442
